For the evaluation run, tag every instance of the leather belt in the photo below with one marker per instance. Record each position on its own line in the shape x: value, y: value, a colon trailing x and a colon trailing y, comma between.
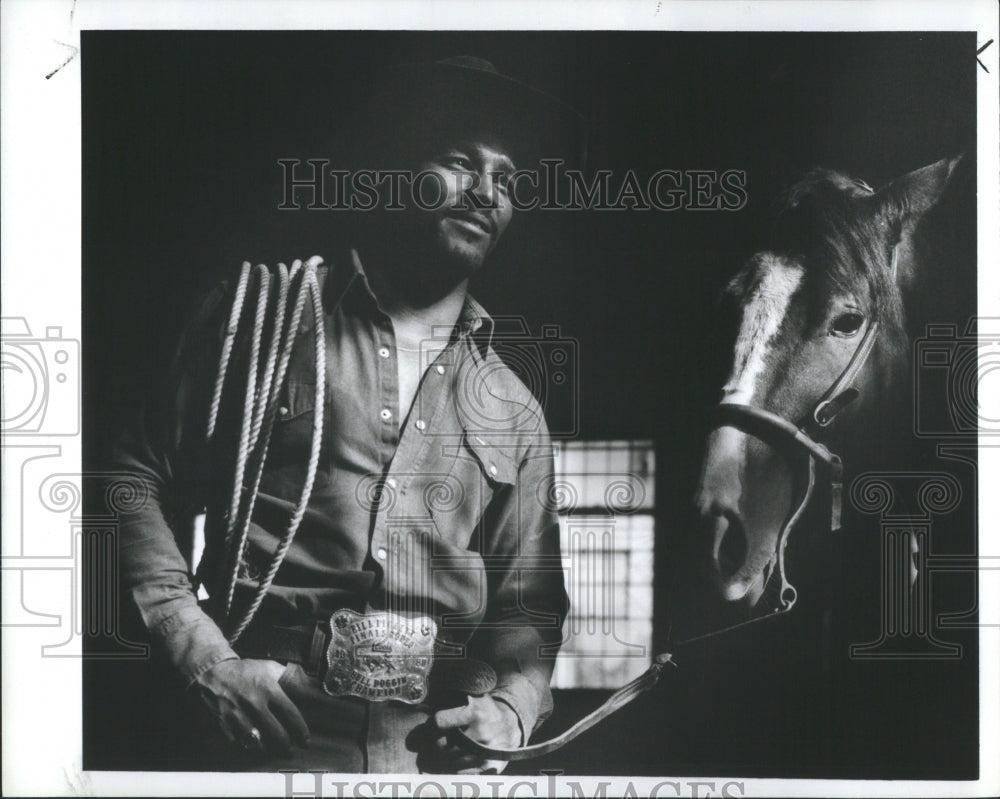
x: 303, y: 643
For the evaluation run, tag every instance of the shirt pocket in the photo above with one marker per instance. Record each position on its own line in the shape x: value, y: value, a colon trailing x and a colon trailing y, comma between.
x: 496, y: 461
x: 292, y: 433
x: 479, y: 469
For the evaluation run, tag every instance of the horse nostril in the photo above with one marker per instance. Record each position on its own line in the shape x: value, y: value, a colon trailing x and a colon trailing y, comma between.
x: 732, y: 549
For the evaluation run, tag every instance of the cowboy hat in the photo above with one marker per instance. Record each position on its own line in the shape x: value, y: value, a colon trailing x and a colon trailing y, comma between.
x: 466, y: 95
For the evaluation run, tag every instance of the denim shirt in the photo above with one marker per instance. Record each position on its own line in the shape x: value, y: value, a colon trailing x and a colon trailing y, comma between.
x: 447, y: 514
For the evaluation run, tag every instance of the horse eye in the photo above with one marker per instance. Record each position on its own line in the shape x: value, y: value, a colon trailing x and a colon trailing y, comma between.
x: 847, y: 324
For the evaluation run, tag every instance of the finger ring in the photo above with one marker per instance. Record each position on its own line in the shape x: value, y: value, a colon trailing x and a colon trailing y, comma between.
x: 252, y: 739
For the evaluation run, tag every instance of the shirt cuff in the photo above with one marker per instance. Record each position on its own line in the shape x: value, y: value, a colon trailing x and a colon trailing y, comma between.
x: 193, y: 642
x: 516, y: 691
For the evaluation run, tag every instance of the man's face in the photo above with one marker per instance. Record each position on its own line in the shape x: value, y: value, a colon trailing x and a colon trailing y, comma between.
x: 474, y: 211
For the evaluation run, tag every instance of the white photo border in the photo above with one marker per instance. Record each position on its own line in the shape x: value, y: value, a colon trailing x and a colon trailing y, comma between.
x: 41, y: 190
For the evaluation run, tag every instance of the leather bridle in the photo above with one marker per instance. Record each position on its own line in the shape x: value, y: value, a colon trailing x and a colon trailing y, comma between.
x: 789, y: 438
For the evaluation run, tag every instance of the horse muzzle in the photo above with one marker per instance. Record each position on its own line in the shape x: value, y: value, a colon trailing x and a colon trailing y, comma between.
x: 745, y: 497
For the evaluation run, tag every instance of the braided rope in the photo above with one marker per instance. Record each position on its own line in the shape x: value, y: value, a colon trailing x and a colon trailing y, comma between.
x: 308, y: 285
x: 244, y: 444
x: 225, y: 356
x: 264, y: 395
x: 266, y: 404
x: 266, y: 401
x: 227, y: 347
x: 253, y: 375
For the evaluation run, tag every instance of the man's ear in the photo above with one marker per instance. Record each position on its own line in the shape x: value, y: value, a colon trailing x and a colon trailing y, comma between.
x: 904, y: 201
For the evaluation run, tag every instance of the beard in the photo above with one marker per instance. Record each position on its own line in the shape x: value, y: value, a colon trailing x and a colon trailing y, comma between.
x: 435, y: 250
x: 461, y: 253
x: 424, y: 253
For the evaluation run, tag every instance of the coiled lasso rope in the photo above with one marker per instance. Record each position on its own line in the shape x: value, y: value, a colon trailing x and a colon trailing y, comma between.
x: 260, y: 404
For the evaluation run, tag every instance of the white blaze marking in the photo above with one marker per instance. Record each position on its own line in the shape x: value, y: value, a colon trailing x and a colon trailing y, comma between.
x: 762, y: 316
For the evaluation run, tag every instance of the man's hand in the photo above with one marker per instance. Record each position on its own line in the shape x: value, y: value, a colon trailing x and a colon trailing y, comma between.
x: 483, y: 719
x: 244, y: 695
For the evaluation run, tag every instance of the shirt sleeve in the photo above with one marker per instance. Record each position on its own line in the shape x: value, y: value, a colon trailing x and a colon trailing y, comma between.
x: 159, y: 450
x: 526, y: 603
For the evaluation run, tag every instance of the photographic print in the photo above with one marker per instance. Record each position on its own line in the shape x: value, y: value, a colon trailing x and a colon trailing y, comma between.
x: 489, y: 407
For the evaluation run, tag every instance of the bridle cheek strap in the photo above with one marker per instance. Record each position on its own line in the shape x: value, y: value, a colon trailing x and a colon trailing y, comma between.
x: 842, y: 393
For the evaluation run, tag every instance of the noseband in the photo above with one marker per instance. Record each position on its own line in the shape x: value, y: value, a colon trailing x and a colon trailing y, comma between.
x: 787, y: 438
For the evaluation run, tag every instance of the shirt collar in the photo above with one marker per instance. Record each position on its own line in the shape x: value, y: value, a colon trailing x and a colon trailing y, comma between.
x: 475, y: 323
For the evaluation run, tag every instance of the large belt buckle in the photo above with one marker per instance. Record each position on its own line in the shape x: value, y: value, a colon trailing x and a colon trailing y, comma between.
x: 379, y: 656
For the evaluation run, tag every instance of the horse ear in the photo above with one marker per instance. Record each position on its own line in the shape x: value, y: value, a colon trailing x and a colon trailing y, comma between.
x: 908, y: 198
x: 904, y: 201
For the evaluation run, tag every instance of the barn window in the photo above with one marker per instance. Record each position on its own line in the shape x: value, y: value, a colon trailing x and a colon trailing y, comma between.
x: 604, y: 493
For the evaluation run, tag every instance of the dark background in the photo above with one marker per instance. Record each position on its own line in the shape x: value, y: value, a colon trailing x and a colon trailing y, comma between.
x: 181, y: 134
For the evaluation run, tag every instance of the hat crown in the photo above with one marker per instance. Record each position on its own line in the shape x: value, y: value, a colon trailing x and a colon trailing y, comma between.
x: 469, y: 62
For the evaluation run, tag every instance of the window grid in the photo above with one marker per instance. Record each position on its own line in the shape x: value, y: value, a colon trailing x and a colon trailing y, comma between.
x: 605, y: 500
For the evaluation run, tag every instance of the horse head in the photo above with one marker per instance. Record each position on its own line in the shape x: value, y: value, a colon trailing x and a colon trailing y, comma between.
x: 819, y: 330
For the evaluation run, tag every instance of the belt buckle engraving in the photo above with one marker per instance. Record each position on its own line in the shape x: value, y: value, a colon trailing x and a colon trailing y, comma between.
x: 379, y: 656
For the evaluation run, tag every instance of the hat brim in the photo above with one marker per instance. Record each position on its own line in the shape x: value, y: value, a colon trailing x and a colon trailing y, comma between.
x: 442, y: 98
